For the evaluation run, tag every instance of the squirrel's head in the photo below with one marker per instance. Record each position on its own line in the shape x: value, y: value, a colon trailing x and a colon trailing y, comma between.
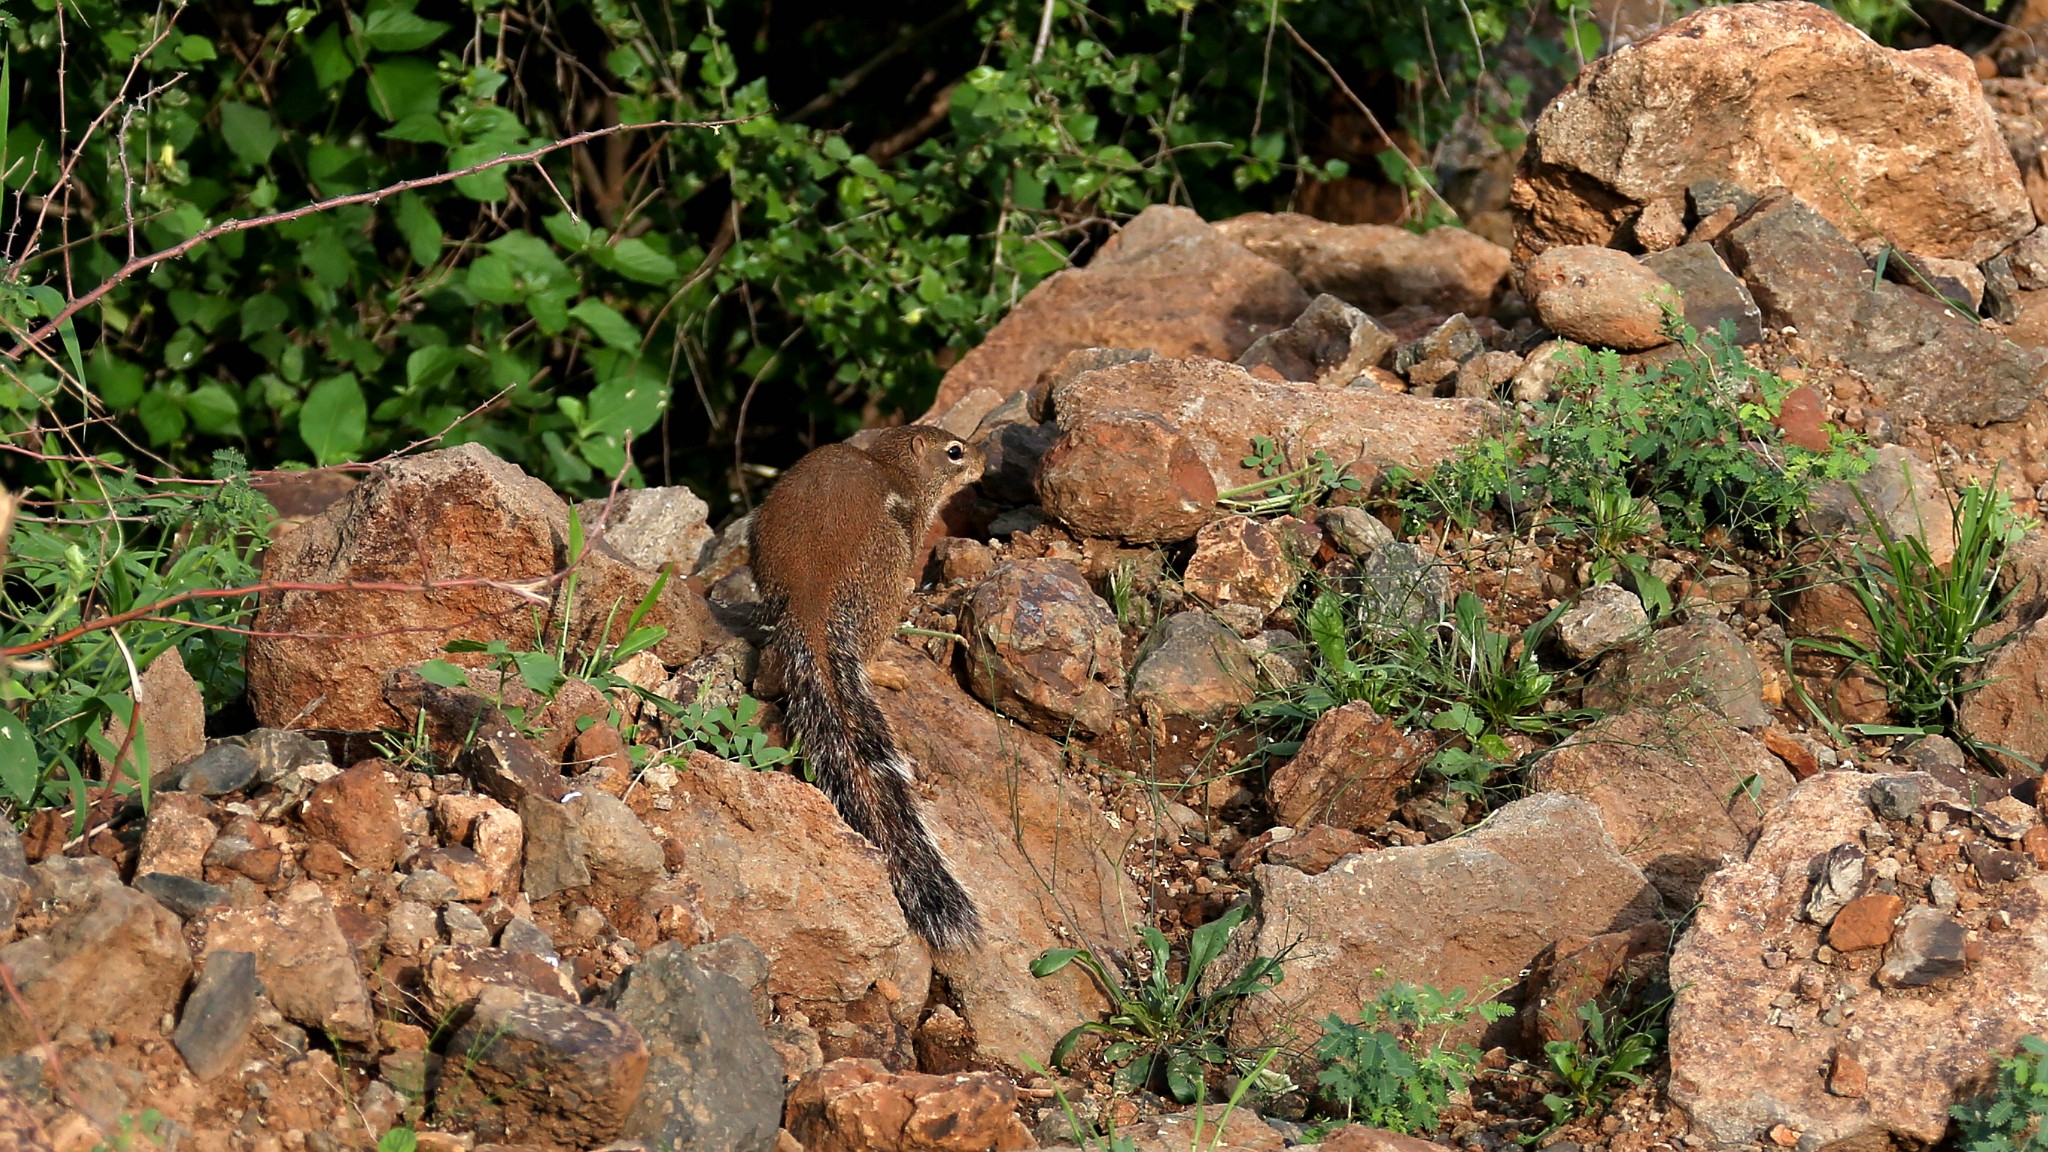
x: 939, y: 462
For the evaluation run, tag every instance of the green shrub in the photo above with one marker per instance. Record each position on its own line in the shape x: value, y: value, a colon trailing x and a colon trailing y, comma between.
x: 2013, y: 1116
x: 1392, y: 1068
x: 1589, y: 1071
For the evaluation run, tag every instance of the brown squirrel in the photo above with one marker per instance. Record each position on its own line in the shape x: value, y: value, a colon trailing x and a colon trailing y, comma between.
x: 835, y: 548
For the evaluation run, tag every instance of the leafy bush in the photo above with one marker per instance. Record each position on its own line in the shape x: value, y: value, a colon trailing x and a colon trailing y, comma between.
x: 2013, y: 1116
x: 1589, y: 1071
x: 1161, y: 1028
x: 1925, y: 617
x: 1392, y: 1068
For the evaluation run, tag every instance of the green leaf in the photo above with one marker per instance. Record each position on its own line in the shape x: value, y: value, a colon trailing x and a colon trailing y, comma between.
x: 334, y: 419
x: 399, y: 30
x: 262, y: 313
x: 21, y: 768
x: 398, y: 1140
x: 539, y: 671
x: 417, y: 224
x: 607, y: 325
x: 117, y: 381
x: 1052, y: 960
x: 490, y: 279
x: 404, y: 87
x: 214, y: 410
x: 443, y: 673
x: 196, y: 49
x: 162, y: 418
x: 635, y: 260
x: 249, y: 132
x: 487, y: 186
x: 332, y: 61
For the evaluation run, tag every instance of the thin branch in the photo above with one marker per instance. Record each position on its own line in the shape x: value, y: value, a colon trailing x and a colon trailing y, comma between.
x: 1044, y: 33
x: 141, y: 263
x: 1428, y: 185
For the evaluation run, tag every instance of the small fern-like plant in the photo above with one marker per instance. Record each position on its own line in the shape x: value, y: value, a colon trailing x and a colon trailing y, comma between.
x: 1392, y: 1068
x: 2013, y: 1116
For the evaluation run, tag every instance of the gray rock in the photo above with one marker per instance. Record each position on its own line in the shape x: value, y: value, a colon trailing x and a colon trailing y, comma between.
x: 554, y: 848
x: 411, y: 928
x: 622, y: 858
x: 464, y: 926
x: 1706, y: 197
x: 1606, y: 615
x: 1711, y: 292
x: 552, y: 1072
x: 1703, y: 660
x: 737, y: 957
x: 279, y: 751
x: 1454, y: 339
x: 218, y: 1014
x: 1329, y: 343
x: 16, y: 881
x: 1355, y: 530
x: 181, y: 894
x: 71, y: 879
x: 526, y: 936
x: 1404, y: 588
x: 429, y: 887
x: 2030, y: 260
x: 1839, y: 879
x: 1540, y: 369
x: 2001, y: 290
x: 1905, y: 345
x: 1013, y: 452
x: 1896, y: 797
x: 652, y: 526
x: 1193, y: 666
x: 1949, y: 281
x: 713, y: 1081
x: 219, y: 770
x: 1927, y: 947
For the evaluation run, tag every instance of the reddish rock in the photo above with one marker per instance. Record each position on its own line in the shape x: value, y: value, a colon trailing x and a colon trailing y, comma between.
x: 1375, y: 266
x: 456, y: 974
x: 1239, y: 560
x: 1359, y: 1138
x: 177, y: 836
x: 460, y: 517
x: 1577, y: 971
x: 543, y: 1071
x: 2006, y: 712
x: 173, y: 715
x: 357, y: 812
x: 1127, y: 475
x: 859, y: 1106
x: 1730, y: 93
x: 1205, y: 1128
x: 1599, y: 297
x: 1803, y: 420
x: 1865, y: 922
x: 1043, y: 648
x: 1846, y: 1077
x: 1316, y: 848
x: 1661, y: 224
x: 1351, y: 767
x: 1168, y: 282
x: 1797, y: 757
x: 118, y: 962
x: 307, y: 965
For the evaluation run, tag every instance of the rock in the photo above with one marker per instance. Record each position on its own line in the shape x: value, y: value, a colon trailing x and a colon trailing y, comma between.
x: 1898, y: 797
x: 652, y: 527
x: 1742, y: 1062
x: 1239, y: 560
x: 1168, y: 282
x: 1404, y: 588
x: 1483, y: 376
x: 543, y: 1070
x: 468, y: 878
x: 305, y: 962
x: 2005, y: 712
x: 526, y: 936
x: 1316, y: 848
x: 118, y: 962
x: 1929, y: 946
x: 1355, y: 530
x: 454, y: 975
x: 858, y: 1106
x: 1359, y: 1138
x: 713, y: 1082
x: 357, y: 812
x: 458, y: 515
x: 1470, y: 912
x: 1038, y: 856
x: 1865, y: 922
x: 219, y: 770
x: 16, y: 881
x: 1450, y: 343
x: 183, y: 895
x: 1802, y: 420
x: 176, y: 837
x: 1728, y: 94
x: 2030, y: 260
x: 1207, y: 1128
x: 552, y: 850
x: 1377, y: 267
x: 1043, y: 648
x: 1350, y: 769
x: 218, y: 1014
x: 1329, y: 343
x: 1126, y: 475
x: 1193, y: 665
x: 173, y: 722
x: 1218, y: 409
x: 1956, y: 283
x: 1013, y: 453
x: 1710, y: 294
x: 1902, y: 344
x: 1606, y: 615
x: 499, y: 839
x: 71, y: 881
x: 1600, y: 297
x: 1538, y: 375
x: 1577, y: 971
x: 623, y: 859
x: 1681, y: 790
x: 1660, y: 226
x: 1838, y: 880
x: 1701, y: 660
x: 773, y: 863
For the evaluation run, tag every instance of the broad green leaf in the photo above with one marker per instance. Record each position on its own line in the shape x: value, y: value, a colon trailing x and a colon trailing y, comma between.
x: 443, y: 673
x: 405, y: 86
x: 21, y: 767
x: 117, y: 381
x: 398, y: 30
x: 334, y: 419
x: 214, y: 410
x: 636, y: 260
x: 262, y: 313
x: 422, y: 231
x: 249, y: 131
x: 607, y: 325
x: 430, y: 367
x: 539, y: 671
x: 332, y: 61
x: 161, y: 416
x: 196, y: 49
x: 487, y: 186
x: 490, y: 279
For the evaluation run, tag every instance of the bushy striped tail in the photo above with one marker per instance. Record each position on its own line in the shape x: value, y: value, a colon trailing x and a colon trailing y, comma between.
x: 847, y: 740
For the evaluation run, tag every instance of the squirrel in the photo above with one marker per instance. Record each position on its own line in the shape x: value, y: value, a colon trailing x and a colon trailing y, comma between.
x: 835, y: 548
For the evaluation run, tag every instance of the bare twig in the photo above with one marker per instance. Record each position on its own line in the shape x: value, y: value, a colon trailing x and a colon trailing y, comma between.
x: 1044, y: 33
x: 1428, y: 185
x: 141, y: 263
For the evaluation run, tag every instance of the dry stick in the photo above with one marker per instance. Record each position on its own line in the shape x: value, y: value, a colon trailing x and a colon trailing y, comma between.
x: 1371, y: 119
x: 217, y: 231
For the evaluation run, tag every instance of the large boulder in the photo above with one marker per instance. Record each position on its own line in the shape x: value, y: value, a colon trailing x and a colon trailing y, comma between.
x: 1378, y: 267
x: 1207, y: 414
x: 1168, y: 282
x: 1470, y: 912
x: 117, y: 963
x: 1681, y: 790
x: 1038, y: 857
x: 445, y: 545
x: 1865, y: 1042
x: 1889, y: 146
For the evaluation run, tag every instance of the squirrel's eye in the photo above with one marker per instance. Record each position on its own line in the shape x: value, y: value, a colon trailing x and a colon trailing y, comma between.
x: 954, y: 451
